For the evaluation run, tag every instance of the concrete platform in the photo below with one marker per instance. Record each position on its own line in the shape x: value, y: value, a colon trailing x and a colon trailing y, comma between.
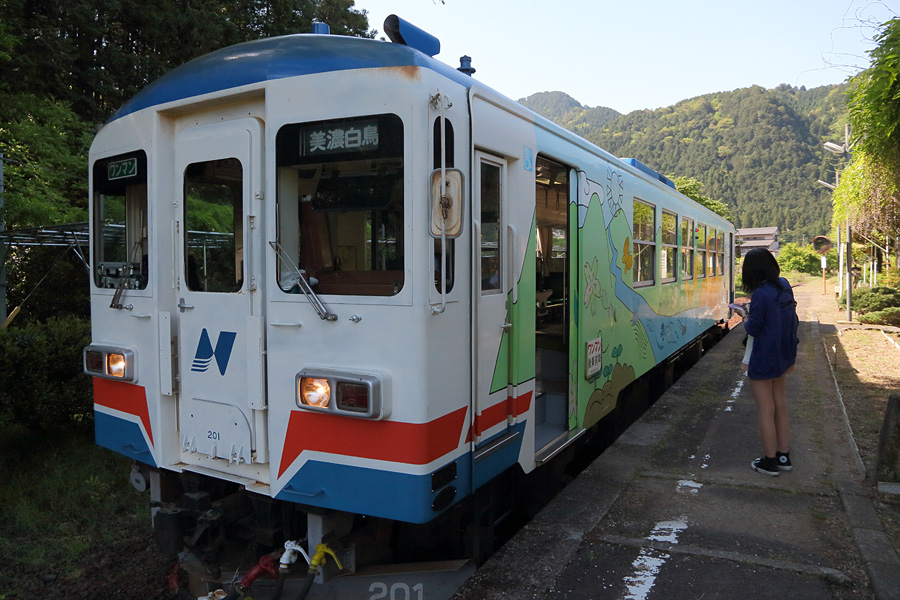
x: 673, y: 510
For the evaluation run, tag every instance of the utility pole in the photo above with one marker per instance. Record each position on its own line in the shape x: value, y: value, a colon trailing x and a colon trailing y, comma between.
x: 844, y: 149
x: 2, y: 249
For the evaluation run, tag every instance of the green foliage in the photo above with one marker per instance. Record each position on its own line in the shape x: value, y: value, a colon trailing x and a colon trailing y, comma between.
x: 41, y: 378
x: 95, y: 54
x: 888, y: 316
x: 875, y: 99
x: 890, y: 277
x: 867, y: 300
x: 758, y: 151
x: 564, y: 110
x: 867, y: 197
x: 802, y: 259
x: 46, y: 146
x: 693, y: 189
x: 867, y: 194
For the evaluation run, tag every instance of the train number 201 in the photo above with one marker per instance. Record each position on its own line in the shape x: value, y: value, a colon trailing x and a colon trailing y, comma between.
x: 397, y: 591
x: 213, y: 435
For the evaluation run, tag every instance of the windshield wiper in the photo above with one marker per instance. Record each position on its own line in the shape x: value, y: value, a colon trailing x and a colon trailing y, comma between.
x: 120, y: 289
x: 307, y: 290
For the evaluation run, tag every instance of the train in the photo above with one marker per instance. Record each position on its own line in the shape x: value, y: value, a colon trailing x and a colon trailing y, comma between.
x: 343, y: 294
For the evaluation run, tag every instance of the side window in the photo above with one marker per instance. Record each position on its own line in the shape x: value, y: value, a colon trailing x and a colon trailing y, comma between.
x: 668, y: 267
x: 700, y: 235
x: 213, y: 224
x: 120, y: 221
x: 643, y: 243
x: 711, y: 255
x: 436, y: 164
x: 687, y: 248
x: 721, y: 254
x: 491, y: 238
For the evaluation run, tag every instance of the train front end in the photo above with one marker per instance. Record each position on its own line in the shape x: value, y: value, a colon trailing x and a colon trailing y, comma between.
x: 279, y: 339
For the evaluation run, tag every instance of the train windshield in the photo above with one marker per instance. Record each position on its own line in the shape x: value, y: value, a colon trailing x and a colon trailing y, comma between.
x: 340, y: 205
x: 120, y: 221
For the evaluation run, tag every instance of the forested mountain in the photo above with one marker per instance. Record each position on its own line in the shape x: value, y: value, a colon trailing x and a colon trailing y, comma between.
x: 759, y: 151
x: 568, y: 112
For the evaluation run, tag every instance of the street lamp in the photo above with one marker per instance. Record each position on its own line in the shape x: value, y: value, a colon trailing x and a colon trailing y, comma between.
x: 843, y: 149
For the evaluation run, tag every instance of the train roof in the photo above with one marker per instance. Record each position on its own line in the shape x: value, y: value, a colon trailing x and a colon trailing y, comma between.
x: 273, y: 58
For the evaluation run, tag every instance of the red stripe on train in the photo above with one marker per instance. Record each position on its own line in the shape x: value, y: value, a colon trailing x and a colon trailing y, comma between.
x: 493, y: 415
x: 410, y: 443
x: 124, y: 397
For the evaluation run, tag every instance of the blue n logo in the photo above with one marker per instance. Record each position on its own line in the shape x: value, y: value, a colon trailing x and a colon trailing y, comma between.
x: 205, y: 352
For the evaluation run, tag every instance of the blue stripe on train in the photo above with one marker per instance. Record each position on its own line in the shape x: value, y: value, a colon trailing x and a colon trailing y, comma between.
x: 123, y: 437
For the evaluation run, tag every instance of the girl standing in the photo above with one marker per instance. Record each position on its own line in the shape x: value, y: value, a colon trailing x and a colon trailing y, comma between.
x: 773, y: 324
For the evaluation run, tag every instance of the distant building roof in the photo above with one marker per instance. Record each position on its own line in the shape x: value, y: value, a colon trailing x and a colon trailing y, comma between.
x: 758, y: 231
x: 758, y: 244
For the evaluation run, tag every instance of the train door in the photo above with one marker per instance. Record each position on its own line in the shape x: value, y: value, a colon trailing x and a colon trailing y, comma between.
x: 221, y: 404
x: 551, y: 393
x: 492, y: 285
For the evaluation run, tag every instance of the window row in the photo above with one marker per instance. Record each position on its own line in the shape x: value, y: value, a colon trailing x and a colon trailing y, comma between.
x: 702, y: 249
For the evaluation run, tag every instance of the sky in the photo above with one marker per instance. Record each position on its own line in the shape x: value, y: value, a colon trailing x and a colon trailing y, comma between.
x: 646, y: 54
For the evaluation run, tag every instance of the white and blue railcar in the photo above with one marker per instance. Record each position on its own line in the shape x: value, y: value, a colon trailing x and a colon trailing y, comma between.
x: 334, y: 277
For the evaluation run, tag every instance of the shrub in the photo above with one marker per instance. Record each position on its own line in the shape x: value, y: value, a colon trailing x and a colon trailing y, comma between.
x: 888, y: 316
x: 802, y: 259
x: 890, y: 277
x: 866, y: 300
x: 41, y: 378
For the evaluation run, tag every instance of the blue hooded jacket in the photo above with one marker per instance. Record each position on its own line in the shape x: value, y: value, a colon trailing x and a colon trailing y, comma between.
x: 773, y: 323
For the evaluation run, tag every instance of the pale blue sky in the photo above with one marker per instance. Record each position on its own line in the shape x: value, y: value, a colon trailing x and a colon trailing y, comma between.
x: 637, y: 54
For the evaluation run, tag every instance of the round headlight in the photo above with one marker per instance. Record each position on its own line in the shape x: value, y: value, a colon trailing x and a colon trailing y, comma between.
x: 315, y: 392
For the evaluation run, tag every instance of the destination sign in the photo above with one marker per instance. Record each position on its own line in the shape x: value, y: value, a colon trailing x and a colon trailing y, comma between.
x: 343, y: 137
x: 122, y: 169
x: 594, y: 359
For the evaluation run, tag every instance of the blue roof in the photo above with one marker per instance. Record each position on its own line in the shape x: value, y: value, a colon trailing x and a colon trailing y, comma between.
x: 649, y: 171
x: 276, y: 58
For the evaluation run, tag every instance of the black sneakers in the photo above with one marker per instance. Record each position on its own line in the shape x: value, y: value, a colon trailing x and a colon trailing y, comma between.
x: 766, y: 465
x: 784, y: 461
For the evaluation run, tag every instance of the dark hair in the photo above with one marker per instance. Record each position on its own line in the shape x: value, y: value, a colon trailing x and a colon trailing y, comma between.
x: 759, y: 267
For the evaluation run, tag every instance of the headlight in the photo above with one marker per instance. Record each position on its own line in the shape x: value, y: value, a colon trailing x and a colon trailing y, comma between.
x: 337, y: 392
x: 110, y: 362
x: 315, y: 392
x: 115, y: 365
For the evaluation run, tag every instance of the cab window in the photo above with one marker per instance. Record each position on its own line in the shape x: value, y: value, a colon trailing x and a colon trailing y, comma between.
x: 120, y: 221
x: 340, y: 205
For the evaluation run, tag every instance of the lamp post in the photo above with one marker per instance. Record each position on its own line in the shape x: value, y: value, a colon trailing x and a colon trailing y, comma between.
x: 844, y: 149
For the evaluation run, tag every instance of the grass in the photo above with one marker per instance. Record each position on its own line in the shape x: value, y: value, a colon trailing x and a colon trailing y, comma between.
x: 55, y: 485
x: 867, y: 372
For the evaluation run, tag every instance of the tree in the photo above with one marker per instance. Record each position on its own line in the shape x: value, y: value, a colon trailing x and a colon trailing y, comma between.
x: 46, y: 145
x: 95, y: 54
x: 693, y: 189
x: 867, y: 196
x: 868, y: 191
x: 74, y: 62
